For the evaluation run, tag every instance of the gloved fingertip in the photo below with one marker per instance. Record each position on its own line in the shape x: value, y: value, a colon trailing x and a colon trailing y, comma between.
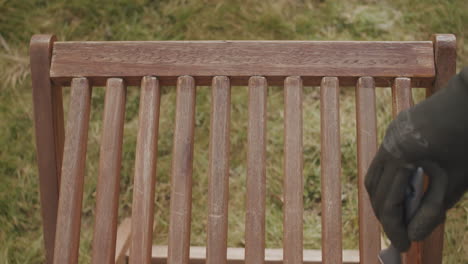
x: 402, y: 244
x: 419, y: 229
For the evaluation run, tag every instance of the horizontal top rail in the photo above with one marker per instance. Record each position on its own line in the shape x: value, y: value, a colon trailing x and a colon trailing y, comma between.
x: 131, y: 60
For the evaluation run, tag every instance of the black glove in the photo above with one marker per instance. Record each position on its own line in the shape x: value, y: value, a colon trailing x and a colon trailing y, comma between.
x: 432, y: 135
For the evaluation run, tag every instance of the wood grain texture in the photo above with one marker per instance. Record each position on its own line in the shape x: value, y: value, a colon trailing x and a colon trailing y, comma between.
x: 67, y: 237
x: 145, y: 172
x: 218, y: 178
x: 240, y: 59
x: 293, y: 183
x: 445, y: 50
x: 330, y: 160
x: 402, y: 99
x: 256, y: 172
x: 236, y: 256
x: 110, y: 162
x: 123, y: 241
x: 369, y: 228
x: 182, y: 167
x: 49, y: 132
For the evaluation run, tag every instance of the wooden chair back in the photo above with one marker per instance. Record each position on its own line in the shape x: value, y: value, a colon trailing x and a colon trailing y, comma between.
x: 61, y: 150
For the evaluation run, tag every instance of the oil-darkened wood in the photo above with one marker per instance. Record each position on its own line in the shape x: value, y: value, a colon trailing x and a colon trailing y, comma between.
x: 67, y: 237
x: 48, y: 121
x: 256, y: 172
x: 402, y: 99
x: 445, y: 49
x: 241, y: 59
x: 293, y: 168
x: 366, y: 124
x: 330, y: 161
x: 182, y: 167
x: 145, y: 172
x: 218, y: 178
x: 110, y: 162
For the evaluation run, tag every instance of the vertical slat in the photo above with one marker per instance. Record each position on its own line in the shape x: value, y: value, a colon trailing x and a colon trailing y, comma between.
x: 145, y: 172
x: 256, y: 172
x: 218, y: 179
x: 330, y: 170
x: 67, y: 237
x: 107, y: 190
x: 49, y: 130
x: 293, y: 177
x: 369, y: 229
x: 181, y: 181
x: 402, y: 99
x: 445, y: 55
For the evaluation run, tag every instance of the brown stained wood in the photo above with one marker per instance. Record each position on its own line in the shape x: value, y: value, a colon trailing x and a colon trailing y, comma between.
x: 123, y: 241
x: 293, y: 172
x: 182, y: 167
x: 67, y: 237
x: 369, y: 228
x: 49, y: 132
x: 236, y: 256
x: 145, y: 172
x: 402, y: 99
x: 218, y: 179
x: 445, y: 55
x: 401, y: 95
x: 330, y: 170
x: 110, y: 162
x: 256, y: 172
x: 240, y: 59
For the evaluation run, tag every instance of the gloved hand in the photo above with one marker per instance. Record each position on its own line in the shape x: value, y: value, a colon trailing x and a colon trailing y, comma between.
x: 434, y: 136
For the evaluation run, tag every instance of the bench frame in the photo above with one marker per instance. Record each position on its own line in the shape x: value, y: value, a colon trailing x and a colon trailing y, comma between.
x: 48, y: 79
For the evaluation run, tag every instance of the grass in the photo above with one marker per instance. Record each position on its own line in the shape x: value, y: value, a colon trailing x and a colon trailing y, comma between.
x: 20, y: 223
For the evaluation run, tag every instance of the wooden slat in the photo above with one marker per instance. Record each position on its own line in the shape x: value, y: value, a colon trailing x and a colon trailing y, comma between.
x: 369, y: 229
x: 445, y: 50
x: 331, y: 170
x: 241, y: 59
x: 402, y: 99
x: 236, y: 256
x: 67, y: 237
x: 123, y: 241
x: 218, y: 179
x: 145, y: 172
x: 181, y: 181
x: 293, y: 167
x: 49, y: 131
x: 107, y: 197
x: 256, y: 172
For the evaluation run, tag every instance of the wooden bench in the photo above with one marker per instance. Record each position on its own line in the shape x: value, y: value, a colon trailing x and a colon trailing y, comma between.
x: 61, y: 152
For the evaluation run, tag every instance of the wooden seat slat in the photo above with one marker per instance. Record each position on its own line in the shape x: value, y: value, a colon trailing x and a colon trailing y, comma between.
x: 330, y: 161
x: 145, y: 172
x: 256, y: 172
x: 67, y: 236
x: 218, y: 178
x: 293, y: 183
x: 182, y: 167
x: 110, y: 163
x: 366, y: 125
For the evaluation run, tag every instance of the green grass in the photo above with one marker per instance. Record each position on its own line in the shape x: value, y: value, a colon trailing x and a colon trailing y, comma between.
x: 20, y: 223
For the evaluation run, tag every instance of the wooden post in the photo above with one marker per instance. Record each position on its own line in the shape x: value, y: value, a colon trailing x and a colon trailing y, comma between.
x: 445, y: 56
x: 48, y: 120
